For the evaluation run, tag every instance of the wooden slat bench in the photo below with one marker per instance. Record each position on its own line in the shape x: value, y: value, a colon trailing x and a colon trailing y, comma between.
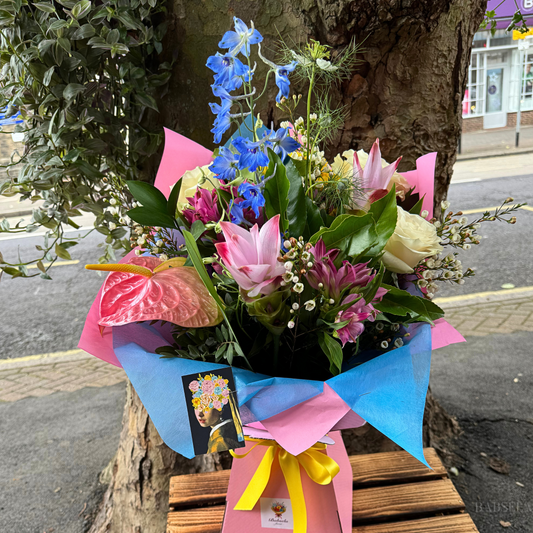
x: 393, y: 493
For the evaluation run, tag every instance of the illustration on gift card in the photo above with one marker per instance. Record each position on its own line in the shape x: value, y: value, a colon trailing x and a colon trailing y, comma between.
x: 214, y: 417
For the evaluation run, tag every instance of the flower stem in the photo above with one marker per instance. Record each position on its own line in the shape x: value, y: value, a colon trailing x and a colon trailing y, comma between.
x: 308, y: 124
x: 252, y: 100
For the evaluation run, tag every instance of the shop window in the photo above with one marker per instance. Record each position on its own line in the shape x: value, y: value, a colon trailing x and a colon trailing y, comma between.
x: 501, y: 38
x: 474, y: 98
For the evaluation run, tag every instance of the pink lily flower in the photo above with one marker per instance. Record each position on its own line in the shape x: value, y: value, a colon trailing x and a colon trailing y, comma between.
x: 374, y: 177
x: 251, y: 257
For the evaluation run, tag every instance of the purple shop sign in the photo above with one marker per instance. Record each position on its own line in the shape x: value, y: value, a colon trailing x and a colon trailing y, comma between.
x: 505, y: 12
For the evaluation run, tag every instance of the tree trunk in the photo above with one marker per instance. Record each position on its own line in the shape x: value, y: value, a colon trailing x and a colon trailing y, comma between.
x: 136, y: 500
x: 407, y: 91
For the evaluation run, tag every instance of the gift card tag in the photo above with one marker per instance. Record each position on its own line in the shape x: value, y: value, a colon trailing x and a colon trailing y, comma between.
x: 276, y: 513
x: 213, y: 411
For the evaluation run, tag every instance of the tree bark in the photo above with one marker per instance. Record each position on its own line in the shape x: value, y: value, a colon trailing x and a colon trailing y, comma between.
x: 136, y: 499
x: 407, y: 91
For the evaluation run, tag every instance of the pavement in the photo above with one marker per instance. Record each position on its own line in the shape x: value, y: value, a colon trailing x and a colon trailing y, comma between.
x: 494, y: 143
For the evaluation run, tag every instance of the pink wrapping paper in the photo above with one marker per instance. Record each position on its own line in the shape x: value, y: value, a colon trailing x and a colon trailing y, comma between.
x: 328, y: 409
x: 180, y: 154
x: 443, y: 334
x: 322, y: 501
x: 423, y: 180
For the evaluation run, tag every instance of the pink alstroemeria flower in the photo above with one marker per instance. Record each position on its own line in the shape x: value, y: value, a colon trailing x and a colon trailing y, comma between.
x: 374, y: 177
x: 356, y: 314
x: 334, y: 281
x: 204, y: 207
x: 251, y: 257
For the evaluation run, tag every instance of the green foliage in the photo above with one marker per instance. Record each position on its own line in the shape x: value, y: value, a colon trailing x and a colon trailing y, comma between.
x: 400, y: 303
x: 385, y: 214
x: 154, y: 210
x: 333, y: 351
x: 297, y: 209
x: 83, y: 76
x: 276, y: 190
x: 518, y: 22
x: 351, y: 234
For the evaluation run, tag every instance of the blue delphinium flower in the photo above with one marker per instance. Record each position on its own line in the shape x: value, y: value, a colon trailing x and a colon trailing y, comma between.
x: 282, y: 79
x: 282, y: 143
x: 225, y: 164
x: 252, y: 196
x: 220, y: 126
x: 251, y: 154
x: 240, y: 39
x: 236, y: 212
x: 229, y: 71
x: 222, y: 110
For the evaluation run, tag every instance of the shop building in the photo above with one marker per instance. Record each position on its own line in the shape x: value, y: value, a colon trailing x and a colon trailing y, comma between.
x: 500, y: 76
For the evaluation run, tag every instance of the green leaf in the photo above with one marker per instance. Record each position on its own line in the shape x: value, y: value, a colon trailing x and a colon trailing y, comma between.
x: 196, y: 258
x: 314, y: 218
x: 351, y: 234
x: 65, y: 44
x: 276, y: 191
x: 72, y: 90
x: 81, y: 9
x: 172, y: 203
x: 11, y: 271
x: 147, y: 100
x: 147, y: 195
x: 417, y: 208
x: 62, y: 252
x: 44, y: 6
x: 84, y: 32
x: 385, y: 213
x: 197, y: 229
x: 147, y: 216
x: 296, y: 209
x: 401, y: 303
x: 48, y: 76
x: 58, y: 25
x: 333, y: 352
x: 372, y: 288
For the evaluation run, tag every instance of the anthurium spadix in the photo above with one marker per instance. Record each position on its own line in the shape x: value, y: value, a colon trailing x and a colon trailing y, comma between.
x: 147, y: 288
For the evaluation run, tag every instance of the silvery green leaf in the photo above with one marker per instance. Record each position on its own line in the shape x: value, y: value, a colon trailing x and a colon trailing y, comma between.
x: 304, y: 61
x: 326, y: 65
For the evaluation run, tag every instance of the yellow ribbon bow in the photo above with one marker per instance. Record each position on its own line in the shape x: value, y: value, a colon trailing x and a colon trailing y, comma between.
x: 319, y: 467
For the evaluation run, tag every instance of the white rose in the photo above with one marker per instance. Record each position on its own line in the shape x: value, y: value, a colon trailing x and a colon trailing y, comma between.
x: 413, y: 240
x: 190, y: 183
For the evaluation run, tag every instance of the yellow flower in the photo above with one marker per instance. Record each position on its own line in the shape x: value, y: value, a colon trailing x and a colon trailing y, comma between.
x: 196, y: 402
x: 208, y: 377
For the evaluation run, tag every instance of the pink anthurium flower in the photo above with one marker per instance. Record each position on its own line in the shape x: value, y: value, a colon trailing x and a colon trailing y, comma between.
x: 147, y: 288
x: 374, y: 176
x: 251, y: 257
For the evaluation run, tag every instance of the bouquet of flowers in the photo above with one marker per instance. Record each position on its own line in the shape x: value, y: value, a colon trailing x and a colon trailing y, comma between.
x: 311, y: 278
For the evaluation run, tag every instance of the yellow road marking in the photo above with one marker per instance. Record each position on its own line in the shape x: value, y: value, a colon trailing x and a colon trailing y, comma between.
x: 470, y: 296
x: 58, y: 263
x: 39, y: 356
x: 472, y: 211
